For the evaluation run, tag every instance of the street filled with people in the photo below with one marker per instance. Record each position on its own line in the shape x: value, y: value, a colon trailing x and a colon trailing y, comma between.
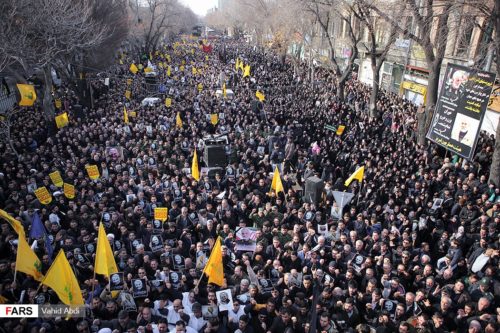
x: 412, y: 247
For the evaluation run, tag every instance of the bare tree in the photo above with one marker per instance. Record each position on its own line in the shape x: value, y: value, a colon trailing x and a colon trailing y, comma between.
x: 432, y: 30
x: 376, y: 53
x: 36, y: 37
x: 331, y: 12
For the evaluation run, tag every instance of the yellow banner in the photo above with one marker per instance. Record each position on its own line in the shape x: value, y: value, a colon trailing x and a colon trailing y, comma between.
x: 56, y: 178
x: 28, y: 94
x: 62, y: 120
x: 133, y: 68
x: 127, y: 94
x: 43, y: 195
x: 168, y: 102
x: 161, y: 213
x: 69, y: 191
x: 92, y: 171
x: 415, y: 87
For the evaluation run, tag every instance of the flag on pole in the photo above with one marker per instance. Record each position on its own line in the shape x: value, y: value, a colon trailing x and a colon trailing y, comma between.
x: 27, y: 261
x: 62, y: 120
x: 246, y: 72
x: 214, y: 269
x: 28, y: 94
x: 133, y: 68
x: 260, y: 96
x: 358, y: 174
x: 224, y: 91
x: 125, y: 115
x: 37, y: 229
x: 168, y: 102
x: 104, y: 260
x: 195, y: 171
x: 340, y: 130
x: 15, y: 224
x: 128, y: 93
x: 214, y: 118
x: 62, y: 280
x: 276, y: 184
x: 178, y: 120
x: 237, y: 63
x: 169, y: 71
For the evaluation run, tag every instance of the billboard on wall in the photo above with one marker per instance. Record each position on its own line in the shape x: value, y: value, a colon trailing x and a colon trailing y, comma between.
x: 460, y: 109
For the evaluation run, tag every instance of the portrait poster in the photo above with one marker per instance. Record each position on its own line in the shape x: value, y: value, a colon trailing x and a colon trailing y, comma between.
x: 156, y: 243
x: 114, y: 153
x: 224, y: 299
x: 246, y: 239
x: 266, y: 285
x: 460, y: 109
x: 178, y: 261
x: 175, y: 279
x: 116, y: 282
x: 139, y: 288
x: 209, y: 311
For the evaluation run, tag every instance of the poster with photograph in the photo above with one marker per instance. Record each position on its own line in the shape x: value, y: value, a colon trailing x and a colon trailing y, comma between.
x: 322, y: 229
x: 390, y: 306
x: 209, y: 311
x: 157, y: 227
x: 357, y: 262
x: 139, y: 288
x: 115, y: 154
x: 224, y: 299
x: 156, y: 243
x: 460, y: 109
x: 246, y: 239
x: 116, y: 281
x: 155, y: 284
x: 175, y: 279
x: 201, y: 259
x: 266, y: 285
x: 178, y: 261
x: 134, y: 244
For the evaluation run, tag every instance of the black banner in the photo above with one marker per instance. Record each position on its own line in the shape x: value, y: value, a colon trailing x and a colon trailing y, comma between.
x: 460, y: 109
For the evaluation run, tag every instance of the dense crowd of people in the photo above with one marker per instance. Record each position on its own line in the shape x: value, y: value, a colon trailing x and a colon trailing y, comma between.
x: 398, y: 259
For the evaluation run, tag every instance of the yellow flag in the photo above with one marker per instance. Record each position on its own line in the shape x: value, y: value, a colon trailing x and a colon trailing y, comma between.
x: 358, y: 174
x: 340, y: 130
x: 121, y: 62
x: 56, y: 178
x: 127, y: 94
x: 200, y: 87
x: 62, y: 120
x: 169, y: 71
x: 28, y: 94
x: 105, y: 263
x: 168, y: 58
x: 181, y: 68
x: 178, y: 120
x: 194, y: 70
x: 168, y: 102
x: 43, y: 195
x: 246, y: 71
x: 125, y: 116
x: 161, y: 213
x: 133, y: 68
x: 160, y: 64
x: 58, y: 103
x: 15, y: 224
x: 276, y: 184
x: 69, y: 191
x: 260, y: 96
x: 148, y: 70
x: 62, y: 280
x: 92, y: 171
x: 241, y: 65
x: 237, y: 64
x: 140, y: 66
x: 214, y: 269
x: 27, y: 261
x: 132, y: 114
x: 195, y: 171
x: 224, y: 91
x: 214, y: 118
x: 129, y: 82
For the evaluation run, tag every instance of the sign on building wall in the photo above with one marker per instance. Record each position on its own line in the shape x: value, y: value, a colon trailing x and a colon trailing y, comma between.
x: 460, y: 110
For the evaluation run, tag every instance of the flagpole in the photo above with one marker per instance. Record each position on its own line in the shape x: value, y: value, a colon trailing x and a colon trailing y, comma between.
x: 359, y: 193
